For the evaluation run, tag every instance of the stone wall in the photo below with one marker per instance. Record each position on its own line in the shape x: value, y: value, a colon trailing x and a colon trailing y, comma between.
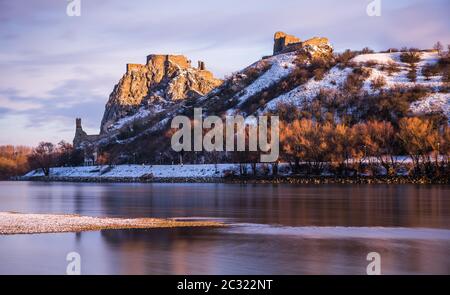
x: 161, y: 59
x: 314, y: 47
x: 134, y: 67
x: 282, y: 40
x: 81, y: 137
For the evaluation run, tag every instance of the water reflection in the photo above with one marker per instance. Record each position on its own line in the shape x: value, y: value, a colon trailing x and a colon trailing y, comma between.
x: 277, y: 229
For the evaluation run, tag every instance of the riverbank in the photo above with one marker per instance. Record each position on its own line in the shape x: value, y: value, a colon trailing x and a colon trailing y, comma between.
x: 206, y: 173
x: 251, y: 180
x: 19, y: 223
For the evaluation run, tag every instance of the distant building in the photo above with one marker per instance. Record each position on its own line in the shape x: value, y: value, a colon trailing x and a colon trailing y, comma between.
x: 85, y: 142
x: 81, y: 137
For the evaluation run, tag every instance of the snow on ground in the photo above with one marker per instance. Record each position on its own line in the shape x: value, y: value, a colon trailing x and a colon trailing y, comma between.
x: 400, y: 78
x: 334, y: 79
x: 169, y: 171
x: 380, y: 58
x: 158, y: 171
x: 281, y: 66
x: 394, y: 57
x: 19, y: 223
x: 436, y: 102
x: 304, y: 93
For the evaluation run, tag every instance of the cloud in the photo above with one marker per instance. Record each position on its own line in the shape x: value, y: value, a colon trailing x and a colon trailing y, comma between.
x: 54, y: 67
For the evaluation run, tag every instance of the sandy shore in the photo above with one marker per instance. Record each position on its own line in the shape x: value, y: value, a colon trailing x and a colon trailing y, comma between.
x: 19, y: 223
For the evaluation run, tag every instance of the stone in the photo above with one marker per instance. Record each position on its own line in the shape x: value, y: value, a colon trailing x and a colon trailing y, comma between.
x: 283, y: 40
x: 81, y: 137
x: 164, y: 79
x: 316, y: 47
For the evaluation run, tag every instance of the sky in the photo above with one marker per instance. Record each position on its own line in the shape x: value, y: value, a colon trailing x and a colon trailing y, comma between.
x: 55, y: 67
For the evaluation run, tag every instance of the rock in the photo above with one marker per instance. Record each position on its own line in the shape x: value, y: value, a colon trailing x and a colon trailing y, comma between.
x: 283, y: 40
x: 317, y: 47
x: 164, y: 79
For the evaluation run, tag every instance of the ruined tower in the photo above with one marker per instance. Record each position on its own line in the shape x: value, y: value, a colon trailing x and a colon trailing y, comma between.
x: 201, y: 65
x: 283, y: 40
x: 78, y: 124
x: 81, y: 137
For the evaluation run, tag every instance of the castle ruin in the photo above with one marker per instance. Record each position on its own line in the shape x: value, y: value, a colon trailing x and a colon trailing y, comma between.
x: 284, y: 43
x: 81, y: 137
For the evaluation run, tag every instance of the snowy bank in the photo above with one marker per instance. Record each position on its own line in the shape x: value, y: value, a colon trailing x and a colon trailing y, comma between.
x: 18, y: 223
x: 139, y: 171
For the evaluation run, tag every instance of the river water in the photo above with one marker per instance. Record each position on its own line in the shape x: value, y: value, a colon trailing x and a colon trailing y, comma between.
x: 273, y: 229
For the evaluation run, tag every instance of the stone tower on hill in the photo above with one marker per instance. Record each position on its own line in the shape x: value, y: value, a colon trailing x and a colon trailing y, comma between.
x: 283, y: 40
x: 81, y: 137
x: 314, y: 47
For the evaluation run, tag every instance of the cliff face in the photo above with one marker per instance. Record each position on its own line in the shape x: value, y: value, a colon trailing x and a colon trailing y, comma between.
x: 162, y: 81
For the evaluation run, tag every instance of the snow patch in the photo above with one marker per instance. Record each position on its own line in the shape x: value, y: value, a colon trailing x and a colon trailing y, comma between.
x: 434, y: 103
x: 281, y: 66
x: 136, y: 171
x: 333, y: 80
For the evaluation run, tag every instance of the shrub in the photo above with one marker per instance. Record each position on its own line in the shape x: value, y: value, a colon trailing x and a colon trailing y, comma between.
x: 378, y: 83
x: 391, y: 68
x: 371, y: 63
x: 355, y: 80
x: 412, y: 74
x: 319, y: 74
x: 367, y: 50
x: 410, y: 57
x: 344, y: 58
x: 430, y: 70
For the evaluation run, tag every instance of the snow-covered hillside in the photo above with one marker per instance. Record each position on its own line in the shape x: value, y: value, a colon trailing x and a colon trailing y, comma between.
x: 399, y: 79
x: 332, y: 81
x: 375, y: 63
x: 280, y: 66
x: 434, y: 103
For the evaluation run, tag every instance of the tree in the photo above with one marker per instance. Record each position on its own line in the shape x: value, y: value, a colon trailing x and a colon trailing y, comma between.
x: 13, y: 160
x: 304, y: 140
x: 444, y: 146
x: 43, y: 156
x: 64, y: 153
x: 338, y: 137
x: 104, y: 159
x: 380, y: 142
x: 357, y: 144
x: 419, y: 137
x: 438, y: 47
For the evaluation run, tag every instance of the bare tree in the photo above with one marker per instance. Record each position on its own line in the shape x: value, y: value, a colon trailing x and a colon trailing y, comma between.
x: 43, y: 156
x: 438, y: 47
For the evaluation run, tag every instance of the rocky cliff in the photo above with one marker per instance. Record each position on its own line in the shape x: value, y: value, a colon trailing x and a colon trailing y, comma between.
x: 163, y: 80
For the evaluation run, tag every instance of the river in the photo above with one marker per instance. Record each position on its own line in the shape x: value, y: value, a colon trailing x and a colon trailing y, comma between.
x: 273, y: 229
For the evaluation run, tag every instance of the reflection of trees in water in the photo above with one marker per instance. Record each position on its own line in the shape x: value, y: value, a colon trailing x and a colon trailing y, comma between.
x: 161, y: 251
x: 296, y: 205
x: 210, y: 251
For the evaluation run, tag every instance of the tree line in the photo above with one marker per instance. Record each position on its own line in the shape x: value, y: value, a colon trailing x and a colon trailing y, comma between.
x: 375, y: 145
